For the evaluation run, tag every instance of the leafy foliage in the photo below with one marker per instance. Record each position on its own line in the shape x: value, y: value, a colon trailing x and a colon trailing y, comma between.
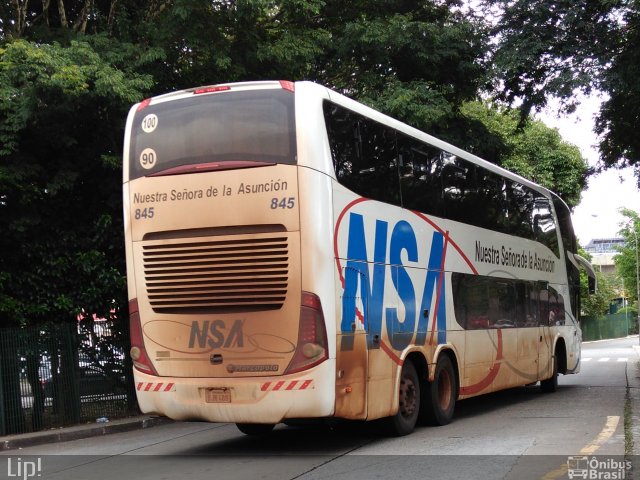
x: 626, y: 260
x: 534, y: 151
x: 68, y: 74
x: 416, y: 61
x: 61, y: 114
x: 597, y: 304
x: 557, y: 47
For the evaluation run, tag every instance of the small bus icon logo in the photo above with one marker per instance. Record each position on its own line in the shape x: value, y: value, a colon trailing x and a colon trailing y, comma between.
x: 578, y: 466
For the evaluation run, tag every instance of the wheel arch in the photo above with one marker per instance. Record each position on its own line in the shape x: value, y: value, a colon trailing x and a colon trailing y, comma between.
x: 419, y: 362
x: 560, y: 351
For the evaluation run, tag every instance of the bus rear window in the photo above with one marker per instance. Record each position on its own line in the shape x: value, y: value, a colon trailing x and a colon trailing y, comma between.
x: 254, y: 126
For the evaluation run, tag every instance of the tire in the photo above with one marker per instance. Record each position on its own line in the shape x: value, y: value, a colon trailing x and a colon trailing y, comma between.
x: 404, y: 422
x: 255, y: 429
x: 550, y: 385
x: 439, y: 396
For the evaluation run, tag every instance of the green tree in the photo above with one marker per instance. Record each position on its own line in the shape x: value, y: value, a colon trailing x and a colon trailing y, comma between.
x: 532, y: 150
x: 61, y: 117
x: 416, y: 61
x: 626, y: 260
x: 548, y: 48
x: 597, y: 304
x: 62, y: 111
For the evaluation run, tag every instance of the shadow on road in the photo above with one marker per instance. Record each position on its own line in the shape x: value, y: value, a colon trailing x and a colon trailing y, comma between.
x: 334, y: 437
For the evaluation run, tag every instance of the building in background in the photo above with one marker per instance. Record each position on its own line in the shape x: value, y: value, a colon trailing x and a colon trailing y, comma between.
x: 602, y: 251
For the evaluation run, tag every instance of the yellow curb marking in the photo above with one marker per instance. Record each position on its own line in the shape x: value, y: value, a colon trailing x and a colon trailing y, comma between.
x: 606, y: 433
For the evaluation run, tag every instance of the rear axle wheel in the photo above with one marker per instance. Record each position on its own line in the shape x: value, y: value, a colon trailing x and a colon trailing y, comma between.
x: 404, y: 422
x: 440, y: 395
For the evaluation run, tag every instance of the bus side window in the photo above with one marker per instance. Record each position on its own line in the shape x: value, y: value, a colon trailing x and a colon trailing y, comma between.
x: 556, y: 308
x: 459, y: 189
x: 502, y: 307
x: 379, y: 167
x: 364, y: 154
x: 520, y: 201
x: 544, y: 225
x: 544, y: 307
x: 522, y: 307
x: 420, y: 176
x: 533, y: 304
x: 471, y: 300
x: 491, y: 206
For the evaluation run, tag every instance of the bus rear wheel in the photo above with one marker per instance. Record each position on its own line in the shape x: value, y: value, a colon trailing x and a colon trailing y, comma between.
x: 440, y: 395
x: 255, y: 429
x: 404, y: 422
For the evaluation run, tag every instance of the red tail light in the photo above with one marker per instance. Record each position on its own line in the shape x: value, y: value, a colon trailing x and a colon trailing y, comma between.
x: 143, y: 104
x: 138, y: 353
x: 287, y: 85
x: 215, y: 89
x: 311, y: 349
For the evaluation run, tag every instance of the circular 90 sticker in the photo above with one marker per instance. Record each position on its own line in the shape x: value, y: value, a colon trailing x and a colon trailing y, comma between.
x: 148, y: 158
x: 149, y: 123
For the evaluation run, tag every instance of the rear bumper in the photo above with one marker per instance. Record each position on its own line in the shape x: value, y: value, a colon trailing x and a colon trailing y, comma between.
x: 307, y: 394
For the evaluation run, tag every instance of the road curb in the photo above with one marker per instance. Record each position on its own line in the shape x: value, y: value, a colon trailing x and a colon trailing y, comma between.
x: 13, y: 442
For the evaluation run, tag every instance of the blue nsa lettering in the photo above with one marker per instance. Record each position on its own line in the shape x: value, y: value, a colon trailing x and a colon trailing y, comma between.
x: 356, y: 278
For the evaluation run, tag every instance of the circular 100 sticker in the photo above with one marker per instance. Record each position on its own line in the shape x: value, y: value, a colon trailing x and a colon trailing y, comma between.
x: 149, y: 123
x: 148, y: 158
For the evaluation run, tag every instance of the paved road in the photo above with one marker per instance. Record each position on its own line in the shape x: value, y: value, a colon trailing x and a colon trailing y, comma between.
x: 517, y: 434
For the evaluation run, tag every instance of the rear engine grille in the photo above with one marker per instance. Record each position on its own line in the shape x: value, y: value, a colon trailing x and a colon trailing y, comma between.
x: 217, y: 276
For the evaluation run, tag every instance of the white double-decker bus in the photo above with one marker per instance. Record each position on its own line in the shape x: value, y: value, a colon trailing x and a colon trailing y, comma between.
x: 292, y: 253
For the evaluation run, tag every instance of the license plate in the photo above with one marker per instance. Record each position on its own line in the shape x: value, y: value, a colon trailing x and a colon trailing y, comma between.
x: 218, y: 395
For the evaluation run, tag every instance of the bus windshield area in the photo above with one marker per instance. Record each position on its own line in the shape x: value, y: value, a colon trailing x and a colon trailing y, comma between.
x: 244, y: 126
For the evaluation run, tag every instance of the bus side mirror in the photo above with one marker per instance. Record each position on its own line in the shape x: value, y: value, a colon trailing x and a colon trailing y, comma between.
x: 591, y: 273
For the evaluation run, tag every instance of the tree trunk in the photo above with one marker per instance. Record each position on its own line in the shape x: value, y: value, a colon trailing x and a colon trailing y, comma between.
x: 63, y: 16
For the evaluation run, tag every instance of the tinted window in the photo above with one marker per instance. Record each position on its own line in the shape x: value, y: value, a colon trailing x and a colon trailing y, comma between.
x: 570, y: 244
x: 520, y: 204
x: 470, y: 300
x: 490, y: 302
x: 543, y: 223
x: 529, y: 298
x: 460, y: 189
x: 246, y: 126
x: 484, y: 302
x: 565, y: 225
x: 556, y: 308
x: 364, y: 154
x: 420, y: 176
x: 475, y: 195
x: 491, y: 206
x: 378, y: 162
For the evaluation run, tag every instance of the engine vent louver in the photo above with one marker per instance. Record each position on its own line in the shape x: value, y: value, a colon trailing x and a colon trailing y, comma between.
x: 222, y: 276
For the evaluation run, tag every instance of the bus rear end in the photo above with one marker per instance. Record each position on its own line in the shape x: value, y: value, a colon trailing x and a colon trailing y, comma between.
x: 221, y: 328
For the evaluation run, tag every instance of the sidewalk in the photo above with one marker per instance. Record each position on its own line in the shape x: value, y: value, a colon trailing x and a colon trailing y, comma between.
x: 11, y: 442
x: 633, y: 406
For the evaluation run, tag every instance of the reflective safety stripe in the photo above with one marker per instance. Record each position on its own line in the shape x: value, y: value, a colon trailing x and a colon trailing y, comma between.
x: 155, y: 387
x: 286, y: 386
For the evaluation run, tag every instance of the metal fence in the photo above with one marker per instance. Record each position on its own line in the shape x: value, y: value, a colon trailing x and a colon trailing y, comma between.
x: 63, y: 374
x: 617, y: 325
